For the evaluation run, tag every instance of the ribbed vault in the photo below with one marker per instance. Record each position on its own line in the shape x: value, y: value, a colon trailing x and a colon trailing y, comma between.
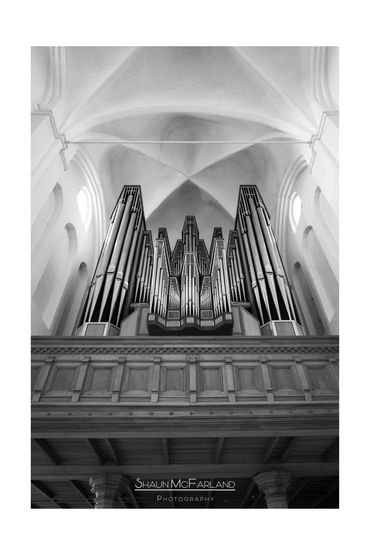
x: 253, y: 94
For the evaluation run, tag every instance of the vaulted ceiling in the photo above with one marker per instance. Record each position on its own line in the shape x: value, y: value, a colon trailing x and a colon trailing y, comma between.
x: 253, y: 94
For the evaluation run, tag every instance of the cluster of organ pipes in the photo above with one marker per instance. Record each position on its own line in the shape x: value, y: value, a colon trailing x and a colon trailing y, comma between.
x: 108, y: 294
x: 271, y: 290
x: 189, y: 281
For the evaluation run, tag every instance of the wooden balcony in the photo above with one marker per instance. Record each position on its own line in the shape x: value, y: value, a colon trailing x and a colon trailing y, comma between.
x: 215, y: 408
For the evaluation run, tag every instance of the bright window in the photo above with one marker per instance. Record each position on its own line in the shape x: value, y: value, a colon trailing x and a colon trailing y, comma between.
x: 84, y: 206
x: 296, y: 209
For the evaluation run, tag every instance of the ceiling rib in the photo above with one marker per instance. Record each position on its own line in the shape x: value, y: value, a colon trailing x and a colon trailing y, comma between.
x: 152, y: 142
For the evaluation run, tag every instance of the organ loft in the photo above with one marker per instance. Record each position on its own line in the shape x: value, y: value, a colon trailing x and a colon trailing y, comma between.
x: 142, y: 287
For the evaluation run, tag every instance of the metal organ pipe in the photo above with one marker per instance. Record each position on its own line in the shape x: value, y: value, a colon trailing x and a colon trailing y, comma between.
x: 240, y: 273
x: 276, y: 261
x: 116, y: 271
x: 102, y: 265
x: 153, y: 286
x: 235, y: 271
x: 235, y: 293
x: 226, y: 278
x: 264, y: 255
x: 140, y: 271
x: 126, y: 277
x: 254, y: 283
x: 122, y: 251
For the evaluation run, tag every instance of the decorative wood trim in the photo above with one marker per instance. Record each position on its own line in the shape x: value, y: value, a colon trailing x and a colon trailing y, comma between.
x: 117, y: 383
x: 193, y: 379
x: 230, y: 379
x: 42, y: 379
x: 303, y: 380
x: 155, y: 379
x: 267, y: 380
x: 114, y: 346
x: 80, y: 380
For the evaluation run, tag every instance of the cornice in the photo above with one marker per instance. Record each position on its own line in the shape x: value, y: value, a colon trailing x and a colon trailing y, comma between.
x: 118, y: 346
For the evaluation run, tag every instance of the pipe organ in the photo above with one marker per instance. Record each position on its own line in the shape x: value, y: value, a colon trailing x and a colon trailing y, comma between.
x: 190, y: 290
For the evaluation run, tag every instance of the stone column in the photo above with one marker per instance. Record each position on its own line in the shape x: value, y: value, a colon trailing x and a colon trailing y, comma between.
x: 106, y: 487
x: 274, y: 484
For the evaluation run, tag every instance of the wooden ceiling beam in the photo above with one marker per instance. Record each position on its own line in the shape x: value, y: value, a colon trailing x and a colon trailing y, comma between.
x: 301, y: 485
x: 248, y: 491
x: 41, y: 488
x: 234, y: 470
x: 47, y: 450
x: 122, y: 501
x: 132, y: 496
x: 218, y: 450
x: 331, y: 451
x: 94, y: 450
x: 269, y: 449
x: 76, y: 486
x: 112, y: 451
x: 288, y: 446
x: 165, y: 449
x: 256, y: 500
x: 322, y: 498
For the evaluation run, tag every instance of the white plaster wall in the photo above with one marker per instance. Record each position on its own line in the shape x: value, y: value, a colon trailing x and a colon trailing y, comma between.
x: 65, y: 241
x: 39, y: 75
x: 312, y: 255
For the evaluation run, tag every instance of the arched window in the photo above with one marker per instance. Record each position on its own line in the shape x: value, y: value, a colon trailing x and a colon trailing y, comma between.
x: 295, y: 210
x: 84, y: 206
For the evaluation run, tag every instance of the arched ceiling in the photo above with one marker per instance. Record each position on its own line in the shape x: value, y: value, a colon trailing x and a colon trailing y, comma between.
x: 186, y: 94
